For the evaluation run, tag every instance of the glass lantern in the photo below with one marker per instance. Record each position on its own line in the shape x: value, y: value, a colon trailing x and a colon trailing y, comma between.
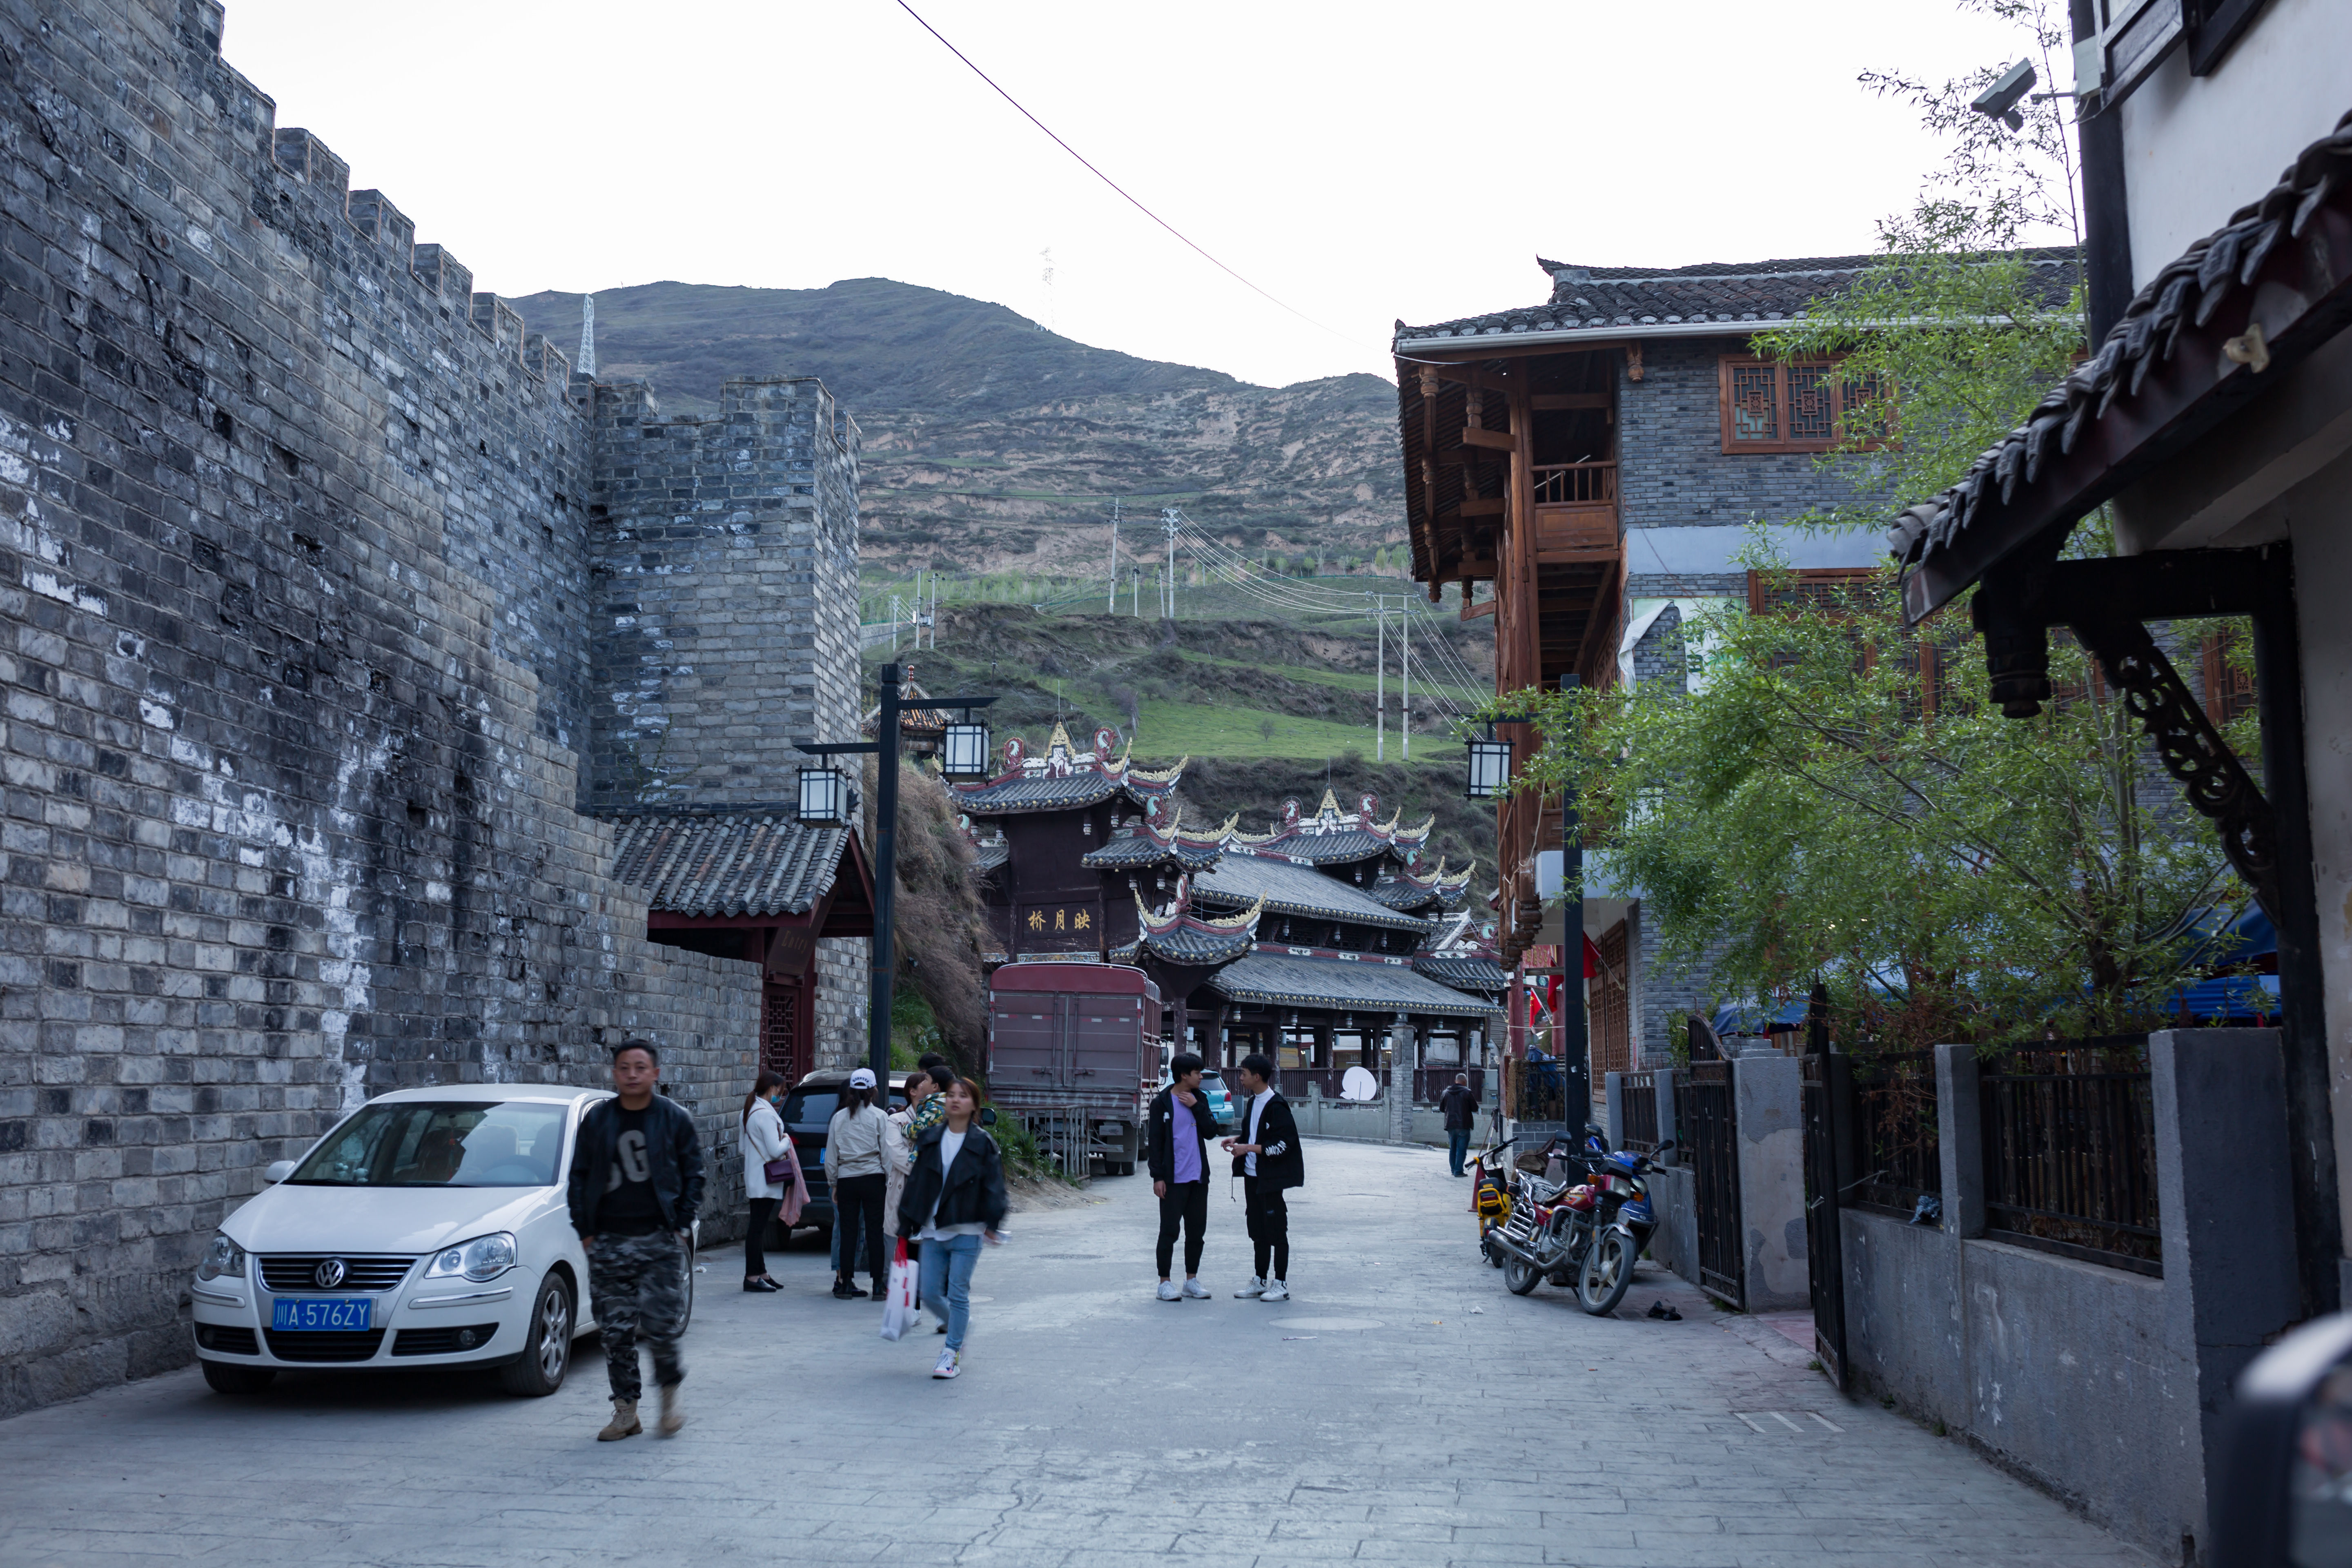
x: 1490, y: 768
x: 823, y: 797
x: 964, y: 751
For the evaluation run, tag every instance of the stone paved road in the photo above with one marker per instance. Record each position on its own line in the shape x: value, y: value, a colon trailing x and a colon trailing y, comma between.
x: 1404, y: 1408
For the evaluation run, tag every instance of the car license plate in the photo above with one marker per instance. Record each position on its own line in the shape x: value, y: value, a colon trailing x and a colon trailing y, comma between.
x: 334, y: 1314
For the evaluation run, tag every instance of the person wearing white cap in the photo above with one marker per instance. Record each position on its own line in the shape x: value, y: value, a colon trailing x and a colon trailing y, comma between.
x: 853, y: 1157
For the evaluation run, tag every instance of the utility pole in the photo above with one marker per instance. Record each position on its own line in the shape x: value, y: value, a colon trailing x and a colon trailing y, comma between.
x: 1405, y: 678
x: 1135, y: 591
x: 1171, y: 520
x: 894, y: 626
x: 883, y: 749
x: 1112, y: 607
x: 1380, y: 679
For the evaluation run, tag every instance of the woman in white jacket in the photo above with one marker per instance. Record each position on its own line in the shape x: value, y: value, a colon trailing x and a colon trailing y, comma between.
x: 763, y: 1140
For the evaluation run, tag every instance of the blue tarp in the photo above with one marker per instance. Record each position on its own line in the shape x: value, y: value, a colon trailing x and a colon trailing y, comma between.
x: 1732, y: 1018
x: 2230, y: 999
x: 2250, y: 936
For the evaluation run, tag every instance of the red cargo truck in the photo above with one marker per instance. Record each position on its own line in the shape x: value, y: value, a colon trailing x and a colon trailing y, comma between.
x: 1074, y: 1051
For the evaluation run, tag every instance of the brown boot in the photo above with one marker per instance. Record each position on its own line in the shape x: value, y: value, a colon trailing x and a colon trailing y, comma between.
x: 624, y: 1423
x: 673, y: 1416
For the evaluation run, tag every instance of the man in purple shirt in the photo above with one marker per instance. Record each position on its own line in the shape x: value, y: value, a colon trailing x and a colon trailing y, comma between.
x: 1177, y: 1139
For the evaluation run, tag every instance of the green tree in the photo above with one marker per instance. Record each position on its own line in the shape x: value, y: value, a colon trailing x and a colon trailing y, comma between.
x: 1952, y: 875
x: 1836, y: 800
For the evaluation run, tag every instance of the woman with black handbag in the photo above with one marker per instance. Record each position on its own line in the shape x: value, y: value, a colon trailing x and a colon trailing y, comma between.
x: 769, y: 1173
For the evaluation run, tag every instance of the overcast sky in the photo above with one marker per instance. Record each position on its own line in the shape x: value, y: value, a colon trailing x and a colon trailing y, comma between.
x: 1359, y: 162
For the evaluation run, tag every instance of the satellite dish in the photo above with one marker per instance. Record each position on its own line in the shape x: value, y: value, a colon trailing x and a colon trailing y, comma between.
x: 1359, y: 1084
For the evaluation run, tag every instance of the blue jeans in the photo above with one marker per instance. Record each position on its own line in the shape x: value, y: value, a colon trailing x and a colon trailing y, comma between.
x: 1458, y: 1147
x: 947, y: 1282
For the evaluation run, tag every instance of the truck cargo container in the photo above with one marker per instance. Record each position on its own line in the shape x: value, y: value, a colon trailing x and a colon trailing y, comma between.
x: 1073, y: 1052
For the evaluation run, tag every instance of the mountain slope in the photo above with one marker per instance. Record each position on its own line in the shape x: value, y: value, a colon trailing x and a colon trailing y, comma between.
x: 992, y: 445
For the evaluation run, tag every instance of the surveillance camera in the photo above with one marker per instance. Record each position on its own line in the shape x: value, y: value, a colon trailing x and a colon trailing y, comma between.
x: 1999, y: 101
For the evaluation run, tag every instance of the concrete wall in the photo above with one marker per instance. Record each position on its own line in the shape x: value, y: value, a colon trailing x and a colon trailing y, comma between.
x: 2102, y: 1386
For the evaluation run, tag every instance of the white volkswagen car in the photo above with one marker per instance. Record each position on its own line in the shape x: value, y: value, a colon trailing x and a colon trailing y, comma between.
x: 428, y: 1229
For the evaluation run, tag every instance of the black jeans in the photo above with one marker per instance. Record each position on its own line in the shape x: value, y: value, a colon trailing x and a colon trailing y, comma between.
x: 858, y: 1208
x: 755, y: 1260
x: 1186, y: 1204
x: 1269, y: 1227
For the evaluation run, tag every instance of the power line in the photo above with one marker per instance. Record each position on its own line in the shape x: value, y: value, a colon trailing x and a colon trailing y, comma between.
x: 1115, y: 185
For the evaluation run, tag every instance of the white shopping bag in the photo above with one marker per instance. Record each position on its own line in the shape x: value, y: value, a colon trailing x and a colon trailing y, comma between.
x: 899, y: 1300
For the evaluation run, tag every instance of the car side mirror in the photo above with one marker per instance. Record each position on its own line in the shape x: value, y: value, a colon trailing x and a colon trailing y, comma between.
x: 988, y: 1116
x: 2284, y: 1492
x: 278, y: 1171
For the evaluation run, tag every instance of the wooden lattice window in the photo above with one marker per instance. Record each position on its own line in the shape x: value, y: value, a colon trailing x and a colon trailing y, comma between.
x: 1613, y: 1034
x: 782, y: 1031
x: 1776, y: 405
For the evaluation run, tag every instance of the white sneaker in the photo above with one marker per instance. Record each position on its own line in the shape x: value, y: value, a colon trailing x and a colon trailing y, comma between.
x: 1275, y: 1290
x: 1168, y: 1292
x: 1251, y: 1291
x: 1195, y: 1291
x: 950, y: 1363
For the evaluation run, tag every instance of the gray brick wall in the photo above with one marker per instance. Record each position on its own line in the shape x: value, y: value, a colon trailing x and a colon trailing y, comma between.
x: 1672, y: 469
x: 294, y: 661
x: 725, y: 552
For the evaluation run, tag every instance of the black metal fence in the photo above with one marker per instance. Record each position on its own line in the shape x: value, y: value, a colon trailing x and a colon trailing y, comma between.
x: 2070, y: 1151
x: 1637, y: 1099
x: 1708, y: 1115
x: 1896, y: 1150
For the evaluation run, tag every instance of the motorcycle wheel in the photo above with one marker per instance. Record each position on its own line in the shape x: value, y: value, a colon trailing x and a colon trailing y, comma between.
x: 1521, y: 1278
x: 1490, y: 1252
x: 1607, y: 1274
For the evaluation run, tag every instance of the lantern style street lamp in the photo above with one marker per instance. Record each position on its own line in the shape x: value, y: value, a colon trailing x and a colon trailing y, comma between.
x: 964, y: 751
x: 824, y: 798
x: 1490, y: 767
x: 884, y: 747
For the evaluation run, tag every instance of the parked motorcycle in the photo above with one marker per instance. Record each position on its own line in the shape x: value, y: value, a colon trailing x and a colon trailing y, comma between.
x: 1625, y: 1222
x: 1490, y: 1195
x: 1585, y: 1235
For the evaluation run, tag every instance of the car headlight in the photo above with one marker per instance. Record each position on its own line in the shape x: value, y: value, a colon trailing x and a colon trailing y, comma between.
x: 224, y: 1257
x: 484, y: 1257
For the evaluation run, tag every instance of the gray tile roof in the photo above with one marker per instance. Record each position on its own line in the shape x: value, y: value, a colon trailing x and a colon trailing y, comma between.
x: 2187, y: 292
x: 1464, y: 971
x: 1036, y: 794
x: 727, y: 863
x: 1282, y: 980
x: 1739, y: 296
x: 1191, y: 945
x: 1240, y: 880
x: 988, y: 856
x: 1128, y: 850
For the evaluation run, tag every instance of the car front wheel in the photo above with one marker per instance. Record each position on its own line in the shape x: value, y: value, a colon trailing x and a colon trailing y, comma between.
x: 547, y: 1352
x: 228, y: 1377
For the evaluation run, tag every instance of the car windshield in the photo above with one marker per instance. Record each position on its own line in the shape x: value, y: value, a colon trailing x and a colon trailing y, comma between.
x: 427, y: 1143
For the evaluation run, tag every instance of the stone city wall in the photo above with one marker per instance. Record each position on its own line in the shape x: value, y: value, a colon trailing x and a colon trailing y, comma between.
x: 295, y: 569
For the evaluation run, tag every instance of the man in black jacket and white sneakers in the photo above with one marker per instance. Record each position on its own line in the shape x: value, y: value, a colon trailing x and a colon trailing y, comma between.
x: 636, y: 1182
x: 1176, y: 1137
x: 1267, y: 1159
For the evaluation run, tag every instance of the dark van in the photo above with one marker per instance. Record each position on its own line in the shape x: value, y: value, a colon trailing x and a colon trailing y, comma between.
x: 808, y: 1114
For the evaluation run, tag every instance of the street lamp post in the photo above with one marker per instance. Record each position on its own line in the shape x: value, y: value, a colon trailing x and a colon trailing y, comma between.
x: 1575, y: 1038
x: 883, y: 749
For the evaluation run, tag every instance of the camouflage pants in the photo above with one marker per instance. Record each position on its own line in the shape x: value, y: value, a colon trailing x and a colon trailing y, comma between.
x: 637, y: 1285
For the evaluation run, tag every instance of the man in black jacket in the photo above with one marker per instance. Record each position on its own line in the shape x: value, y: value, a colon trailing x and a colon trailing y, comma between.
x: 1460, y: 1107
x: 1267, y: 1159
x: 636, y: 1182
x: 1176, y: 1131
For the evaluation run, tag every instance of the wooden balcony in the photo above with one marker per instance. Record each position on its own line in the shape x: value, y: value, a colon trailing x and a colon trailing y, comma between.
x: 1576, y: 513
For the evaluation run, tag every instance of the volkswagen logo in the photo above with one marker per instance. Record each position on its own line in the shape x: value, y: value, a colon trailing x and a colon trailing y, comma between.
x: 330, y: 1274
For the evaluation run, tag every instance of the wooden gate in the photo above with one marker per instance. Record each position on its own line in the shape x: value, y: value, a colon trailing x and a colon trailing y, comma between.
x: 1828, y: 1111
x: 1705, y: 1108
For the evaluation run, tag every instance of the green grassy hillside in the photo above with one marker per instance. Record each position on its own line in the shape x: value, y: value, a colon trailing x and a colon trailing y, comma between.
x: 1266, y: 710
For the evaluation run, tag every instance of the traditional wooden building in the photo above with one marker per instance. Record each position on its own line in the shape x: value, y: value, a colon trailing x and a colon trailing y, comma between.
x: 1589, y: 469
x: 754, y: 883
x: 1040, y: 895
x: 1308, y: 940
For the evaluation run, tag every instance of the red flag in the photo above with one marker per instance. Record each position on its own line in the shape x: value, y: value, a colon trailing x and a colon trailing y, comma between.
x: 1591, y: 959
